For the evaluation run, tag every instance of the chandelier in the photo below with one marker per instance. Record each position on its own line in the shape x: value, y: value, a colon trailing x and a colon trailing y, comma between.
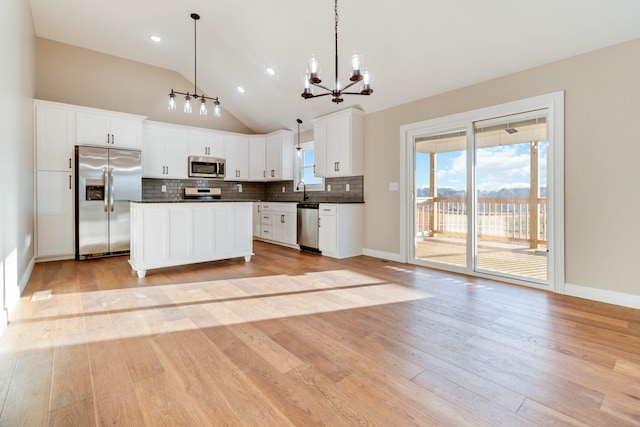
x: 188, y: 96
x: 312, y: 76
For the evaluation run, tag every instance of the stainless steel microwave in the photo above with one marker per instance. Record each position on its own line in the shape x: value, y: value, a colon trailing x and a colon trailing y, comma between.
x: 206, y: 167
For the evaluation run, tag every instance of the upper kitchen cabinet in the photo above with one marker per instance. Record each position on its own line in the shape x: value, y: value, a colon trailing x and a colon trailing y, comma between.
x: 279, y: 155
x: 165, y: 151
x: 109, y: 129
x: 271, y: 156
x: 206, y: 143
x: 55, y: 136
x: 257, y: 154
x: 237, y: 160
x: 339, y: 144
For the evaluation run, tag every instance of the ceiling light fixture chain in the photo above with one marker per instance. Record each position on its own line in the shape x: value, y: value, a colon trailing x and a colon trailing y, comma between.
x: 312, y: 75
x: 188, y: 96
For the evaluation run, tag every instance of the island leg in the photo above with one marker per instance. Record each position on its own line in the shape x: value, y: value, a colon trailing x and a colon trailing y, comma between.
x: 141, y: 273
x: 247, y: 258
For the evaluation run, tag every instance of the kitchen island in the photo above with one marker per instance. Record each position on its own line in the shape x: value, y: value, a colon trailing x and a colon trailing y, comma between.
x: 169, y: 233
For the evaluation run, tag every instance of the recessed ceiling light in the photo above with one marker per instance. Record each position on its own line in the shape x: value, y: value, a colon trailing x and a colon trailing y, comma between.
x: 155, y: 38
x: 271, y: 71
x: 240, y: 89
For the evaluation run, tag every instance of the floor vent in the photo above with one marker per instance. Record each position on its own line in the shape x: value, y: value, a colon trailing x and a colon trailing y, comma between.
x: 41, y: 295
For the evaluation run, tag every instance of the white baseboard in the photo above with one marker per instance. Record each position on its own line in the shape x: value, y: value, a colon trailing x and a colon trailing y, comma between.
x: 594, y: 294
x: 602, y: 295
x: 381, y: 254
x: 11, y: 305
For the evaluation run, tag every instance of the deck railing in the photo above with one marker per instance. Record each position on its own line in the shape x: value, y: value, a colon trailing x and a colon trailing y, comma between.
x: 497, y: 218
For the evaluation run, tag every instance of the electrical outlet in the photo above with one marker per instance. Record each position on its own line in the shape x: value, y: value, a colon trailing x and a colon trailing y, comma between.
x: 239, y: 188
x: 164, y: 189
x: 347, y: 187
x: 328, y: 187
x: 284, y: 189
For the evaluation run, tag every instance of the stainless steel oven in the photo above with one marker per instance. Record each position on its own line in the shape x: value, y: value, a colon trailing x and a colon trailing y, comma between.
x: 206, y: 167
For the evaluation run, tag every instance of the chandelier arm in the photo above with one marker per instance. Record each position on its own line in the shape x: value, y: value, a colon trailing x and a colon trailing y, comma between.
x: 322, y: 94
x: 353, y: 93
x: 348, y: 86
x: 323, y: 87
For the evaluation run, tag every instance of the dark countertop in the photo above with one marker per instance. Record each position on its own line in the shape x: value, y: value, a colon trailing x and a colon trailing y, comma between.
x: 232, y: 201
x: 193, y: 201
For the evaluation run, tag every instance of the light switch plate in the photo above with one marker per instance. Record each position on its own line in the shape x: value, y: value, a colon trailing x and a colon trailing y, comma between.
x: 393, y: 186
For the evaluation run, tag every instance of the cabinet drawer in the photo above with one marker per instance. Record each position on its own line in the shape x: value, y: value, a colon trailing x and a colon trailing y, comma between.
x: 267, y: 218
x: 266, y: 232
x: 328, y: 209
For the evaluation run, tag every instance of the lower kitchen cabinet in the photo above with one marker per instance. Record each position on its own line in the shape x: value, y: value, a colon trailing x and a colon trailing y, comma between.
x: 257, y: 220
x: 55, y: 215
x: 279, y: 223
x: 168, y: 234
x: 341, y: 233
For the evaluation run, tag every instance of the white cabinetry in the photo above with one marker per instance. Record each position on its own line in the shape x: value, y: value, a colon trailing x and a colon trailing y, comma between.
x: 339, y: 144
x: 206, y: 143
x: 279, y: 223
x: 279, y: 155
x: 340, y: 229
x: 257, y: 220
x: 257, y: 154
x: 237, y: 161
x: 109, y: 129
x: 168, y: 234
x: 55, y: 132
x: 164, y: 151
x: 271, y: 156
x: 54, y: 219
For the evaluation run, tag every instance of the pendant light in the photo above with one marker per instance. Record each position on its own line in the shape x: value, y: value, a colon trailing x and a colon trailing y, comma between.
x: 298, y: 148
x: 189, y: 96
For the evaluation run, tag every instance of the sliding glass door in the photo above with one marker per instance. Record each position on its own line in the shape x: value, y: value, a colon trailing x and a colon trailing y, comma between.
x: 511, y: 204
x: 482, y: 192
x: 441, y: 198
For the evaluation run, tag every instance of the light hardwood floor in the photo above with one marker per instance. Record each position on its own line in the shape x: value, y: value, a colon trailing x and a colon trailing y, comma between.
x: 292, y: 338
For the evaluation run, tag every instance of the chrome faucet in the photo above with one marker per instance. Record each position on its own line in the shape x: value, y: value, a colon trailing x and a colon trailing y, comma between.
x: 304, y: 189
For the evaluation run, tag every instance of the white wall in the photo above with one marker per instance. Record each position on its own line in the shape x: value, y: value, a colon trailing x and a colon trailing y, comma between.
x: 17, y: 74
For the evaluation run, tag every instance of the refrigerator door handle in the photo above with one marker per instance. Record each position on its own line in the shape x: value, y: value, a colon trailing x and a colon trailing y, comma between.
x: 111, y: 183
x: 105, y: 180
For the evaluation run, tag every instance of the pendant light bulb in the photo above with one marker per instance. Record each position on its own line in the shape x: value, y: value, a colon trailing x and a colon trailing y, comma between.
x: 203, y: 107
x: 187, y: 104
x: 216, y: 108
x: 172, y: 101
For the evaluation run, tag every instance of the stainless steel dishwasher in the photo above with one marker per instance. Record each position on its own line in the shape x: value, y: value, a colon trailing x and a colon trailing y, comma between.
x: 308, y: 226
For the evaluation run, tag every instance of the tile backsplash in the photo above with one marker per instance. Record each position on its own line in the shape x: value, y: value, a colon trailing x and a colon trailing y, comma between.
x: 272, y: 191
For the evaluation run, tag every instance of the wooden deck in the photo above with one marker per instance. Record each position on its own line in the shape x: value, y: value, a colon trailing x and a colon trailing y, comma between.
x: 511, y: 258
x: 295, y: 339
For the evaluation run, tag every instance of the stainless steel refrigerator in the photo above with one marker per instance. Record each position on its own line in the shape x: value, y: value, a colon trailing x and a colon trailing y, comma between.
x: 106, y: 180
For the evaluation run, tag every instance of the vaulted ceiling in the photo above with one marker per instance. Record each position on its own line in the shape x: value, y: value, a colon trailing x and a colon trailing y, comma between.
x: 414, y: 48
